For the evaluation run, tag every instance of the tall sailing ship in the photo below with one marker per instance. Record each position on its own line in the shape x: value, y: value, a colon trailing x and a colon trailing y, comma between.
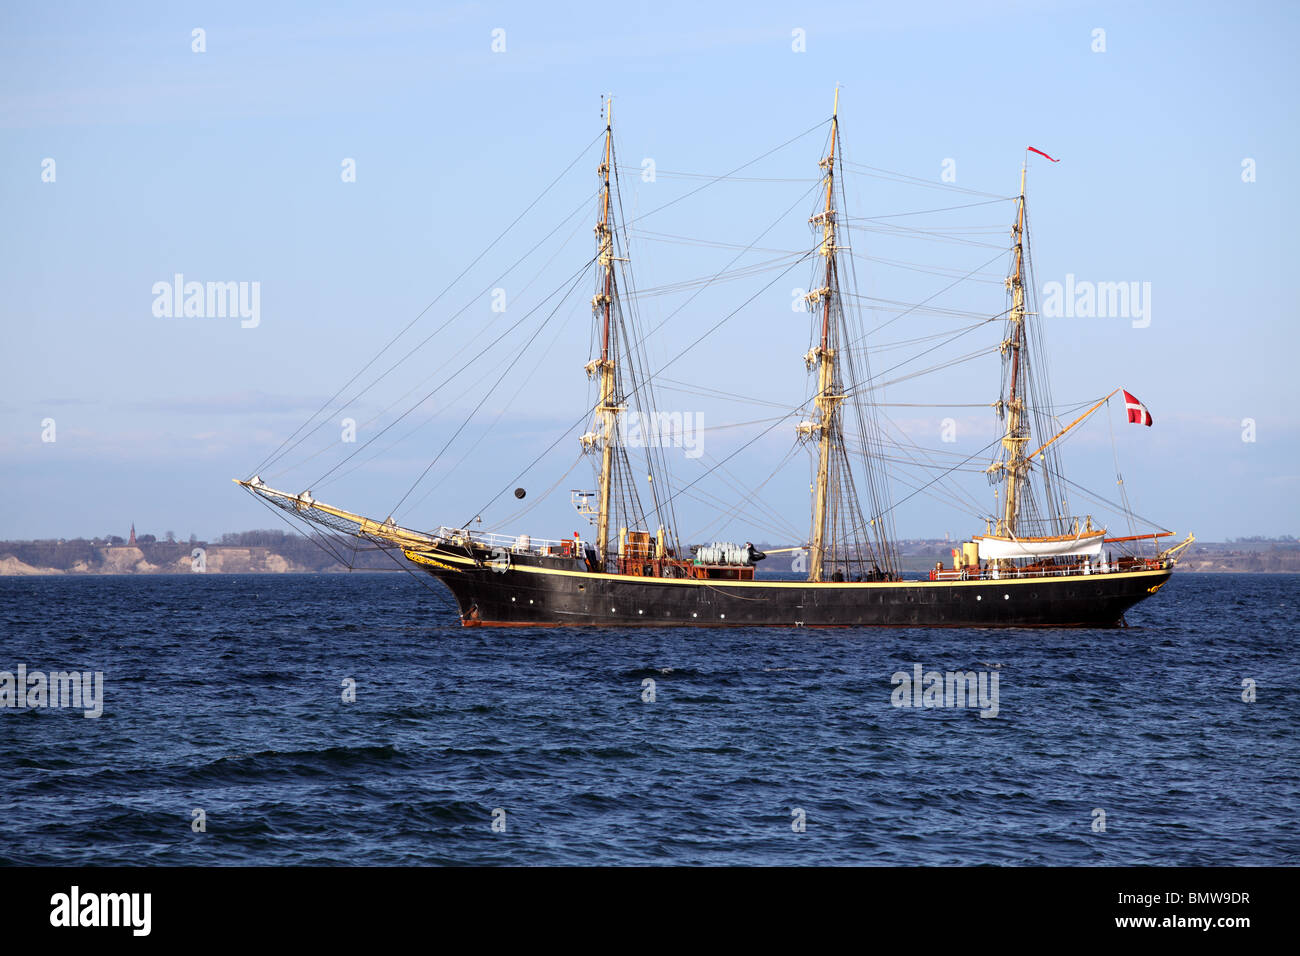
x: 1033, y: 566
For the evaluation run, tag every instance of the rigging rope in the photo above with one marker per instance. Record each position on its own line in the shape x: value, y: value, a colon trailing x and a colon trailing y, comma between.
x: 774, y: 149
x: 488, y: 248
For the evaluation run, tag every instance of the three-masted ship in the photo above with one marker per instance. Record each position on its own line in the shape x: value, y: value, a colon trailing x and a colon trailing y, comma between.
x: 1032, y: 567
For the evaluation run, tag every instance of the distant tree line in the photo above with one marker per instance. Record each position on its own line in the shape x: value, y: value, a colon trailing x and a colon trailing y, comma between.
x: 299, y: 551
x: 258, y: 539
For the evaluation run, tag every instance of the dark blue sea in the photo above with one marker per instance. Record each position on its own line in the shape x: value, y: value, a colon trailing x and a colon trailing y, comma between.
x: 225, y: 694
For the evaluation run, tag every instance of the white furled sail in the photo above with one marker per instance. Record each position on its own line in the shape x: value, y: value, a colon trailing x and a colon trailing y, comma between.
x: 996, y: 548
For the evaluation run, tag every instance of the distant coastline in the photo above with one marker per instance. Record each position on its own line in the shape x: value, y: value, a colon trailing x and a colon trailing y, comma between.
x: 248, y: 552
x: 275, y: 552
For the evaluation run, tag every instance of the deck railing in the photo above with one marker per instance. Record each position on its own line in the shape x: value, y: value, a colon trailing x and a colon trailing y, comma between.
x: 519, y: 544
x: 1074, y: 570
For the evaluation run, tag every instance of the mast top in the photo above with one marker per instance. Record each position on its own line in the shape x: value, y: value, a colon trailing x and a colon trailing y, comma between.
x: 835, y: 112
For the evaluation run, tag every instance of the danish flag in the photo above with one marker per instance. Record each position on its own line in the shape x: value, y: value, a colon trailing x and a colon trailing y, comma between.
x: 1137, y: 412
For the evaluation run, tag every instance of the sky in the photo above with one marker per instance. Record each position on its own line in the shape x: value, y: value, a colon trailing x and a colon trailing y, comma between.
x: 355, y: 161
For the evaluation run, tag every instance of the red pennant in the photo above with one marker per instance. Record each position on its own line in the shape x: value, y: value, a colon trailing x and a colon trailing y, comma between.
x: 1041, y: 153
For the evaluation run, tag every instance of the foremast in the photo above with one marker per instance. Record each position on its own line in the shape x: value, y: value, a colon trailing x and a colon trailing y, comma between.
x: 828, y: 397
x: 607, y: 408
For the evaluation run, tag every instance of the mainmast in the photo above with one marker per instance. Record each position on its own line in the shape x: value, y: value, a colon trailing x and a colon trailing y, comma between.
x: 827, y: 400
x: 607, y: 410
x: 1014, y: 465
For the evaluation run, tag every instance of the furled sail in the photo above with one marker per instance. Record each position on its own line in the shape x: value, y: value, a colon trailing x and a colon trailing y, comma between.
x: 993, y: 548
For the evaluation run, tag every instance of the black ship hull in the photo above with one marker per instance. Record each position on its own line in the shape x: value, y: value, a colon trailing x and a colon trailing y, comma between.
x: 524, y: 595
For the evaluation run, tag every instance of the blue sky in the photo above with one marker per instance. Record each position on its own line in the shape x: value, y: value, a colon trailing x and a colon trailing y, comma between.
x: 225, y: 165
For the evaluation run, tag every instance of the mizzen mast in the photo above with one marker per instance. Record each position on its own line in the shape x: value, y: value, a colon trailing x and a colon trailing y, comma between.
x: 1014, y: 465
x: 828, y: 399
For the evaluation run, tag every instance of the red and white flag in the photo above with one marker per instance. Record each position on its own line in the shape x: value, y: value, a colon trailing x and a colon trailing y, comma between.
x: 1137, y: 412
